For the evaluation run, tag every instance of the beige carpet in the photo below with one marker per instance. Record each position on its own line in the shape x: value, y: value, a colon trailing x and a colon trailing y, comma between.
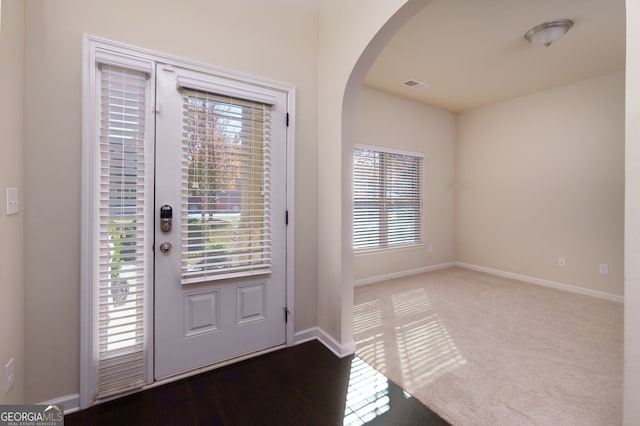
x: 485, y: 350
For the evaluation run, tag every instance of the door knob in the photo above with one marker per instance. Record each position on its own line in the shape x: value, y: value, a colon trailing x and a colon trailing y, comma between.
x: 165, y: 247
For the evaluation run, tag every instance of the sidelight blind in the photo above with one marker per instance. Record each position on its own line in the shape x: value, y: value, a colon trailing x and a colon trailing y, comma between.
x: 387, y: 192
x: 122, y: 226
x: 226, y: 228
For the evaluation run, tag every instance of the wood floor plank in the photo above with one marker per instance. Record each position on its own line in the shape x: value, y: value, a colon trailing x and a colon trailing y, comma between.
x: 302, y: 385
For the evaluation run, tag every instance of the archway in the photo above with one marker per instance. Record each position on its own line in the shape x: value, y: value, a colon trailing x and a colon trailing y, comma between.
x: 351, y: 37
x: 339, y: 78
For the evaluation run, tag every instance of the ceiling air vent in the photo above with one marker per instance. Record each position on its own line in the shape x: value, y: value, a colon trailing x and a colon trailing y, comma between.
x: 414, y: 84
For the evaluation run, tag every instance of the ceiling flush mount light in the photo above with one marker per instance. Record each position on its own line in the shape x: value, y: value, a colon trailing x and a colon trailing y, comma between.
x: 549, y: 32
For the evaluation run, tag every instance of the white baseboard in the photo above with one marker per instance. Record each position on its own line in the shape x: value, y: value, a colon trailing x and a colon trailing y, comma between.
x: 544, y: 283
x: 401, y: 274
x: 335, y: 347
x: 317, y: 333
x: 304, y: 336
x: 71, y: 403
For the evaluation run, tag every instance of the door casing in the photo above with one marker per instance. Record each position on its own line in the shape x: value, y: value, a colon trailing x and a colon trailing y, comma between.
x: 128, y: 55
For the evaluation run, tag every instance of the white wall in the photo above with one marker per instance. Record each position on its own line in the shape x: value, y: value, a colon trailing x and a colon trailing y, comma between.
x: 389, y: 121
x: 11, y: 175
x: 541, y: 177
x: 275, y: 40
x: 632, y: 221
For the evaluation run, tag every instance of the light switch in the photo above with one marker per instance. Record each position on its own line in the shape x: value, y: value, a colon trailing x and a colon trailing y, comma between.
x: 12, y: 201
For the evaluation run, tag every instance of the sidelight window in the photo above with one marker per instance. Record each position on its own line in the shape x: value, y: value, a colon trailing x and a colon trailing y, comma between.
x: 123, y: 222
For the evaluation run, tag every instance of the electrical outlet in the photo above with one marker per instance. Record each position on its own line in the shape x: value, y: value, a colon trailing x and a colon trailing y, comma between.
x: 604, y: 269
x: 429, y: 248
x: 562, y: 262
x: 8, y: 376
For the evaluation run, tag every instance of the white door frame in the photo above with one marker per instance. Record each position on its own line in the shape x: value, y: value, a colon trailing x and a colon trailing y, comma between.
x: 94, y: 47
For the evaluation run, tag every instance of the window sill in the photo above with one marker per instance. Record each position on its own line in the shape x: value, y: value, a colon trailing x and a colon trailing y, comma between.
x: 361, y: 253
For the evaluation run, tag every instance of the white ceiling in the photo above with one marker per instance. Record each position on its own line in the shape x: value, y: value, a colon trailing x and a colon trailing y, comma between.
x: 473, y: 52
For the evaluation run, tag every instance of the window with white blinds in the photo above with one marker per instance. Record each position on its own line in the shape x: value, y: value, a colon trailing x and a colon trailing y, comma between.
x: 387, y: 195
x: 226, y: 187
x: 122, y: 224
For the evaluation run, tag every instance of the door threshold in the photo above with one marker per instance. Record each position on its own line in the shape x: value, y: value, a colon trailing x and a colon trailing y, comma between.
x: 206, y: 368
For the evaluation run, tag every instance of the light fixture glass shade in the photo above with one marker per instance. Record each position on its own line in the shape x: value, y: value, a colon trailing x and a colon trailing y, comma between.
x: 549, y: 32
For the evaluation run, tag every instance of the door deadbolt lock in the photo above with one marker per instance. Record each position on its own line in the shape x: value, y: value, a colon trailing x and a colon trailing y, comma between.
x: 166, y: 216
x: 165, y: 247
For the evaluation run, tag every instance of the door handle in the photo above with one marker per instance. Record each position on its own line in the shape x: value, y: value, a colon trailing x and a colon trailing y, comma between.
x: 165, y: 247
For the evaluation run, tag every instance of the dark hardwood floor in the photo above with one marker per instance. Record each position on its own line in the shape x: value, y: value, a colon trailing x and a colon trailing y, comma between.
x: 302, y: 385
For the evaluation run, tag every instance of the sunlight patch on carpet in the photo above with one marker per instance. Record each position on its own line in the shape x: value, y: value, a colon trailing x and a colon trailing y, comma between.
x: 372, y: 349
x: 410, y: 302
x: 366, y: 316
x: 426, y: 351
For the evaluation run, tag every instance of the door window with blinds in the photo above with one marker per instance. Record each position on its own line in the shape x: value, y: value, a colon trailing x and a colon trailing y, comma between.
x: 387, y: 195
x: 225, y: 193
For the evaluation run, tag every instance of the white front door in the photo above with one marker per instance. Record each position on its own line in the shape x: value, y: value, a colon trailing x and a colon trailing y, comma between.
x: 220, y: 269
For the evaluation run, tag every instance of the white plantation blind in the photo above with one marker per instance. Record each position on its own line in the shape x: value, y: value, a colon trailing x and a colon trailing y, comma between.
x: 226, y: 187
x: 387, y: 192
x: 122, y: 266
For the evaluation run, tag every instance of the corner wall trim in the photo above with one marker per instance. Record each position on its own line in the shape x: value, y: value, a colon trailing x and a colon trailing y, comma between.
x: 319, y: 334
x: 394, y: 275
x: 545, y: 283
x: 71, y: 402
